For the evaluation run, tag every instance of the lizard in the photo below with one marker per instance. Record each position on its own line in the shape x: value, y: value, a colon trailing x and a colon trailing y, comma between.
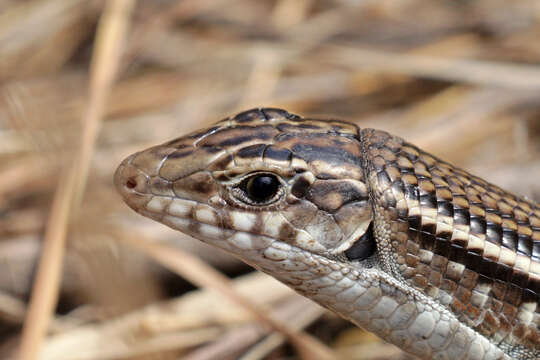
x: 439, y: 262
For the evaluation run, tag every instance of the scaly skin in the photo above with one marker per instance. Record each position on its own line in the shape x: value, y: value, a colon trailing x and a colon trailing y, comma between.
x: 428, y: 257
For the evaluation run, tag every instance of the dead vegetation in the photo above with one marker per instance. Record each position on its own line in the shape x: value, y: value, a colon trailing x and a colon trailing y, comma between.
x: 84, y: 83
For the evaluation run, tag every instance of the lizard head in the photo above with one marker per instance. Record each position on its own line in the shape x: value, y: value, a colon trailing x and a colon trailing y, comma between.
x: 259, y: 184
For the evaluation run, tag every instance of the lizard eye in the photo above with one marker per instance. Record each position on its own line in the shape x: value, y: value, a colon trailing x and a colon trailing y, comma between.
x: 259, y: 189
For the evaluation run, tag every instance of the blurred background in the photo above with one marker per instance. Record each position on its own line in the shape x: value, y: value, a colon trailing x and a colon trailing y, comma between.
x: 83, y: 84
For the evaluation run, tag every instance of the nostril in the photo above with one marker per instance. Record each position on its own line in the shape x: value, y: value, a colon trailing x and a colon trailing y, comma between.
x: 131, y: 183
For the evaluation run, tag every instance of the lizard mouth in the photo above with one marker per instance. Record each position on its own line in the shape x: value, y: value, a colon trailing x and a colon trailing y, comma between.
x: 271, y: 255
x: 263, y: 252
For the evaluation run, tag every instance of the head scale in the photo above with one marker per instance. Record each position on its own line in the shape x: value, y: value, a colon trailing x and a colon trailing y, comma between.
x: 261, y: 181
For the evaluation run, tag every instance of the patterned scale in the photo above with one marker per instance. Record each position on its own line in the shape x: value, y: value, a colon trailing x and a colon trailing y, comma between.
x: 456, y: 269
x: 467, y: 243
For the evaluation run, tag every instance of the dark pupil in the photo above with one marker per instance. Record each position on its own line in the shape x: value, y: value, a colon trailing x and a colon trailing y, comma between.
x: 262, y: 187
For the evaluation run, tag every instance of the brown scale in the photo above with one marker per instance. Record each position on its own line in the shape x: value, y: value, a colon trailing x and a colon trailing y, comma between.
x: 466, y: 242
x: 463, y: 241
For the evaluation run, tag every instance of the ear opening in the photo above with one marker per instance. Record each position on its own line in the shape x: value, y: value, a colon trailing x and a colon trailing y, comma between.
x: 364, y: 247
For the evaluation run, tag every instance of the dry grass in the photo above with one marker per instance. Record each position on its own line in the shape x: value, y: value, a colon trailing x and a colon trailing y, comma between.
x: 85, y: 83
